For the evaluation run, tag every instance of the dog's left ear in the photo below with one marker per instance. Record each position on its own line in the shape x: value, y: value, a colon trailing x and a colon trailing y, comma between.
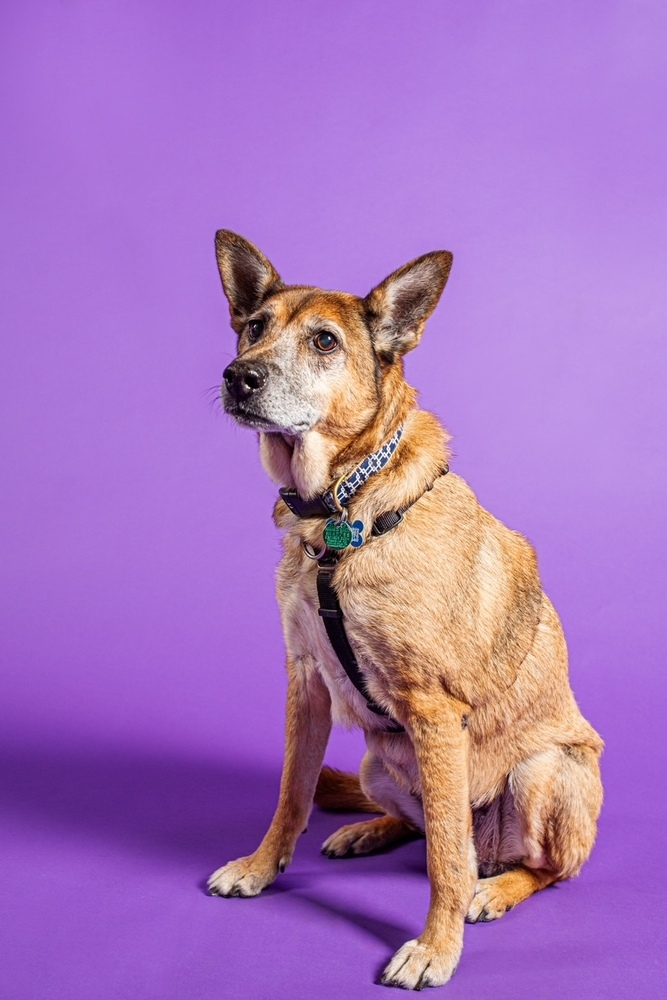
x: 398, y: 308
x: 247, y: 275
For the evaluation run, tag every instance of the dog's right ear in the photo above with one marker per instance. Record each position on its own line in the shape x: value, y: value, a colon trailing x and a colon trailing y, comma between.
x: 247, y: 276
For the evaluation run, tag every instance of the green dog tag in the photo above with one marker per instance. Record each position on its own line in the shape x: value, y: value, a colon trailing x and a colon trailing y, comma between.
x: 337, y: 534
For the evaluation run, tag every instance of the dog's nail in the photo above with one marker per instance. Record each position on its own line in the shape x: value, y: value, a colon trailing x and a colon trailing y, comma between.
x: 281, y: 866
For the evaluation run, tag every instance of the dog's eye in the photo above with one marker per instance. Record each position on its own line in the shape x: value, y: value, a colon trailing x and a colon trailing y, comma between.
x: 325, y: 342
x: 255, y: 329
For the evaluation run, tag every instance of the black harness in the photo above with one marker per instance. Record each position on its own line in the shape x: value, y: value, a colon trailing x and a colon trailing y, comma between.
x: 330, y: 610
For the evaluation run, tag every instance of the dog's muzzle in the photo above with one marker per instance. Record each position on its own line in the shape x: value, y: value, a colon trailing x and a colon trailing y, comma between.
x: 245, y: 378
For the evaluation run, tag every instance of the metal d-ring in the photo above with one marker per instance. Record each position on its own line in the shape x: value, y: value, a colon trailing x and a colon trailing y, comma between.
x: 334, y: 493
x: 310, y: 551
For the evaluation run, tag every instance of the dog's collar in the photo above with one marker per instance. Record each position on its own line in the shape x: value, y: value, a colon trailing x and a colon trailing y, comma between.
x: 333, y: 500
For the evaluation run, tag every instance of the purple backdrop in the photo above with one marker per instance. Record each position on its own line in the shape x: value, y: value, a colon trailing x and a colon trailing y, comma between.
x: 142, y: 678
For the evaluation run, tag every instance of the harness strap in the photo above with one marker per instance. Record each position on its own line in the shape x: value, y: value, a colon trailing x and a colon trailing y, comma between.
x: 390, y: 518
x: 331, y: 614
x: 330, y: 610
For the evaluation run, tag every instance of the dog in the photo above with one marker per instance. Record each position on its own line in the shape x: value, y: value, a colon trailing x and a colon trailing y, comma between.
x: 408, y: 611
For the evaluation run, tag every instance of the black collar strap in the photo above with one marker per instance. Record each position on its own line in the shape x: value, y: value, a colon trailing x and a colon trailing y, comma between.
x: 334, y: 499
x: 323, y: 506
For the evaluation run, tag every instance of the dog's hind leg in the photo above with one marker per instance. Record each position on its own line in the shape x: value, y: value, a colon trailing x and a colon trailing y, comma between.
x: 367, y: 836
x: 557, y: 797
x: 403, y: 820
x: 498, y: 894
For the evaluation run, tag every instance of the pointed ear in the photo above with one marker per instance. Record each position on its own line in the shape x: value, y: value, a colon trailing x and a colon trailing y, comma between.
x: 398, y: 308
x: 247, y: 276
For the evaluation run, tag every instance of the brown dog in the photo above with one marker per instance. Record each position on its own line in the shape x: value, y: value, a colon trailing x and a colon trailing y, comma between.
x: 473, y: 734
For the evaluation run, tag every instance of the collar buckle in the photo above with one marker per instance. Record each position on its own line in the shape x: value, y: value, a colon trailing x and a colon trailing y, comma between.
x: 320, y: 506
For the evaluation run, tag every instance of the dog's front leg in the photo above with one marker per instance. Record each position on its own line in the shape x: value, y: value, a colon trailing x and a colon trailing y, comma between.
x: 437, y: 729
x: 307, y: 733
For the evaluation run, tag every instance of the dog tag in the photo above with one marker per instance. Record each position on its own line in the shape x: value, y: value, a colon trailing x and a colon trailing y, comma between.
x: 337, y: 534
x: 357, y: 534
x: 341, y: 534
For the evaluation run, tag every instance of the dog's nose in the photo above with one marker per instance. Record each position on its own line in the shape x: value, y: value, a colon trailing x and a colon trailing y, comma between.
x: 245, y: 378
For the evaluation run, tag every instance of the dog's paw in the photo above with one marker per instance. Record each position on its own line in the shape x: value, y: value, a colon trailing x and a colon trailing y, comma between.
x: 417, y: 965
x: 369, y: 835
x: 488, y: 902
x: 245, y: 877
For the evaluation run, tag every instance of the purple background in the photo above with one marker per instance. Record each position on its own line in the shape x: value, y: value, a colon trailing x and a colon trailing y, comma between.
x: 142, y: 678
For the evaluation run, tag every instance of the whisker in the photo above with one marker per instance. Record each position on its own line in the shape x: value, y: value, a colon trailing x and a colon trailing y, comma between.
x: 212, y: 389
x: 213, y: 397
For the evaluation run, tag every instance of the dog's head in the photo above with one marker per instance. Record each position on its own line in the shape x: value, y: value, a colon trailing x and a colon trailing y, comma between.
x: 310, y: 359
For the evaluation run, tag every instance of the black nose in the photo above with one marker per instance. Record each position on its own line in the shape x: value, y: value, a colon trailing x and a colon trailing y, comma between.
x: 245, y: 378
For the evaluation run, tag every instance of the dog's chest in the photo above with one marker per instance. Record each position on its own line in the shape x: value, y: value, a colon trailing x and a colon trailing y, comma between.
x: 308, y: 642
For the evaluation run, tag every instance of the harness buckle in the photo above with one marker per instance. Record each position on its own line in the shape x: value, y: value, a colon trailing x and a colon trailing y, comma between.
x: 326, y: 567
x: 385, y: 522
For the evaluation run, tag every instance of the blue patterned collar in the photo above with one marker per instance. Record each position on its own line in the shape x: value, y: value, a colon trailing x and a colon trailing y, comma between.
x: 345, y: 489
x: 335, y: 499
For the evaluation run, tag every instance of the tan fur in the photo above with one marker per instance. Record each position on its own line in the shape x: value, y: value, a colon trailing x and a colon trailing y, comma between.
x: 337, y: 791
x: 371, y: 835
x: 449, y: 623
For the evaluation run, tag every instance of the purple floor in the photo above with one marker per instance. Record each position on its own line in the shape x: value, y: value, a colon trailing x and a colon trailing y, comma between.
x: 105, y: 852
x: 141, y: 677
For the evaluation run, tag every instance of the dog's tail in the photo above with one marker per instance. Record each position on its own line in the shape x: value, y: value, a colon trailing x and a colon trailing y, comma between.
x: 338, y: 791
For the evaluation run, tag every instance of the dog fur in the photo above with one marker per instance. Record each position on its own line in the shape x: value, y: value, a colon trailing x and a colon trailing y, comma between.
x: 446, y: 615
